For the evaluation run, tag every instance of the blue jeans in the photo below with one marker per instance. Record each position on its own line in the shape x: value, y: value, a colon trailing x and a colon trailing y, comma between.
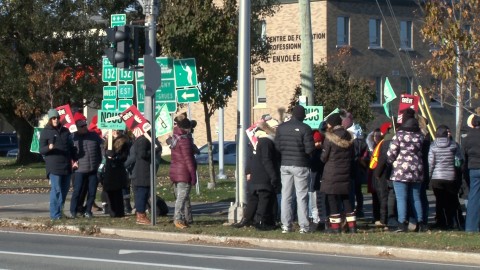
x: 79, y: 178
x: 408, y: 192
x: 472, y: 221
x: 141, y: 194
x: 58, y: 193
x: 295, y: 180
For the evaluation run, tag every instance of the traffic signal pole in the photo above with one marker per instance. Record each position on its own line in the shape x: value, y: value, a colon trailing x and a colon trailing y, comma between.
x: 150, y: 8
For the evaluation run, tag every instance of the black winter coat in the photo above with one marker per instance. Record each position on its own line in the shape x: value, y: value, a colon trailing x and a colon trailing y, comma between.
x: 338, y: 156
x: 58, y: 161
x: 265, y: 166
x: 115, y: 173
x: 471, y: 149
x: 294, y: 141
x: 141, y: 168
x: 89, y: 153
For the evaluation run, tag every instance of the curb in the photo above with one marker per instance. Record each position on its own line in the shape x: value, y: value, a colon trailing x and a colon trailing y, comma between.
x: 437, y: 256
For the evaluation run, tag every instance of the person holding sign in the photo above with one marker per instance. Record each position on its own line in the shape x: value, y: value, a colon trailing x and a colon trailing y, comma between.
x: 57, y: 148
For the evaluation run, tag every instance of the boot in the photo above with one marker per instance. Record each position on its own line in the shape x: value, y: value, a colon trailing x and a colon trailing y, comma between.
x: 142, y: 219
x: 179, y: 224
x: 243, y: 223
x: 352, y: 222
x: 335, y: 223
x: 127, y: 206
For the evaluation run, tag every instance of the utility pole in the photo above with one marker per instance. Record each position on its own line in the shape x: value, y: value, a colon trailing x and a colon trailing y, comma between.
x: 235, y: 212
x: 151, y: 13
x: 306, y: 75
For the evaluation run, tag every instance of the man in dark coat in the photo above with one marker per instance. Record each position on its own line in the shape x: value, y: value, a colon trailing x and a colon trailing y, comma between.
x: 337, y: 155
x: 89, y: 154
x: 56, y: 146
x: 294, y: 141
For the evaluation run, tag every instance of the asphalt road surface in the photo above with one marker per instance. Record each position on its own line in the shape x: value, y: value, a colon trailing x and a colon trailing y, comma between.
x: 26, y: 250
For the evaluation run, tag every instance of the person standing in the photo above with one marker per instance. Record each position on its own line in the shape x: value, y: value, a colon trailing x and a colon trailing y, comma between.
x: 141, y: 175
x: 56, y: 146
x: 89, y: 155
x: 294, y: 141
x: 405, y: 154
x: 183, y: 169
x: 338, y: 156
x: 441, y: 159
x: 471, y: 151
x: 116, y: 177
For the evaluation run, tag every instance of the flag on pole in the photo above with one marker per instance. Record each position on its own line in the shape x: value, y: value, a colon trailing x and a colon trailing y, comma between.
x: 388, y: 96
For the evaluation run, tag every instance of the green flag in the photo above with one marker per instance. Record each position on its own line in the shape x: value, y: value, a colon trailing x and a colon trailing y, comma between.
x: 35, y: 145
x: 388, y: 96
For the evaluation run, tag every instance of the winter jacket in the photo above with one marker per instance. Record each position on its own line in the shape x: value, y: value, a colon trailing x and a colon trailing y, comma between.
x: 265, y: 166
x: 471, y: 149
x: 89, y: 153
x: 141, y: 166
x: 383, y: 169
x: 294, y: 141
x: 405, y: 153
x: 338, y: 158
x: 441, y: 159
x: 116, y: 177
x: 58, y: 160
x: 183, y: 167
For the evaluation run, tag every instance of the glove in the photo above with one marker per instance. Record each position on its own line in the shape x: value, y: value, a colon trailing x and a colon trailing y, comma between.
x: 110, y: 153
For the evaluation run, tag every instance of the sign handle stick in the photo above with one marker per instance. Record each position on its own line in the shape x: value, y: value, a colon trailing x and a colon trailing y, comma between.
x: 110, y: 139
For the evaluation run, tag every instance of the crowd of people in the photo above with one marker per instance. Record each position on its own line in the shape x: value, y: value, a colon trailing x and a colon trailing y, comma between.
x: 294, y: 173
x: 316, y: 176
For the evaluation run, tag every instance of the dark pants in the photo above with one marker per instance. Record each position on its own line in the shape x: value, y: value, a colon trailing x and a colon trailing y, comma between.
x: 115, y: 203
x: 81, y: 179
x: 381, y: 187
x: 446, y: 202
x: 338, y: 203
x: 265, y: 201
x: 141, y: 198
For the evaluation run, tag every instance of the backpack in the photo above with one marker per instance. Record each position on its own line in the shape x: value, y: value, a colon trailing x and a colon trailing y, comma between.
x: 375, y: 155
x: 162, y: 207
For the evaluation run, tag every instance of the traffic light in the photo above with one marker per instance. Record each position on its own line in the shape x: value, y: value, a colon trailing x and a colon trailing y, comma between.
x: 119, y: 53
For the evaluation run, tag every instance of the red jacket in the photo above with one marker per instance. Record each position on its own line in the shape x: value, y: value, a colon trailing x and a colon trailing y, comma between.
x: 183, y: 166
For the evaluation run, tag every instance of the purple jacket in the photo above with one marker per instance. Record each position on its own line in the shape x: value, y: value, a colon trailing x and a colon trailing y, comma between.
x: 183, y: 166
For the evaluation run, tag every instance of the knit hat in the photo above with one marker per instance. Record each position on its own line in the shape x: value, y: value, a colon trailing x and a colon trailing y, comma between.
x: 408, y: 113
x: 473, y: 121
x: 385, y: 127
x: 183, y: 122
x: 442, y: 131
x: 318, y: 136
x: 53, y: 113
x: 334, y: 120
x: 299, y: 113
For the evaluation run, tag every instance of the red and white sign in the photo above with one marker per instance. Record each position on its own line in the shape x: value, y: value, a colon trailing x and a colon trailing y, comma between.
x: 66, y: 117
x: 407, y: 101
x: 135, y: 121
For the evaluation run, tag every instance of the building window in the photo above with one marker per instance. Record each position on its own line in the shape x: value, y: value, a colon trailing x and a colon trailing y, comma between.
x: 378, y: 91
x: 375, y: 34
x: 260, y: 92
x: 406, y: 35
x: 407, y: 85
x: 343, y: 31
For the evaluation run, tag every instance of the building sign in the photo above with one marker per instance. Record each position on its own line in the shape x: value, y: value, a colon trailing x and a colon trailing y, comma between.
x: 283, y: 45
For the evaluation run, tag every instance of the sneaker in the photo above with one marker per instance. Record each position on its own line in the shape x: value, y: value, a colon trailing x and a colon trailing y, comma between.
x: 379, y: 224
x: 303, y: 231
x: 286, y: 229
x: 88, y: 215
x: 179, y: 224
x: 402, y: 227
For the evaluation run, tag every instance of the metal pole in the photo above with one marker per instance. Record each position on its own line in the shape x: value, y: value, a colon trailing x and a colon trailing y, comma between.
x: 221, y: 144
x: 151, y: 12
x: 243, y: 108
x: 306, y: 75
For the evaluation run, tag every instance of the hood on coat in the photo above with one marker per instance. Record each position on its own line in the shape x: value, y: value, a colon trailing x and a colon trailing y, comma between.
x: 442, y: 142
x: 339, y: 136
x: 119, y: 142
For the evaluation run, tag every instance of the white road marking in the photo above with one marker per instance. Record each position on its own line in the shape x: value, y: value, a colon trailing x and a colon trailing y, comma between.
x: 106, y: 260
x: 219, y: 257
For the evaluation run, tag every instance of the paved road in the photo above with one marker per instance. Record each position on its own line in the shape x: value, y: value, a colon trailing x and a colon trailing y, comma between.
x: 26, y: 250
